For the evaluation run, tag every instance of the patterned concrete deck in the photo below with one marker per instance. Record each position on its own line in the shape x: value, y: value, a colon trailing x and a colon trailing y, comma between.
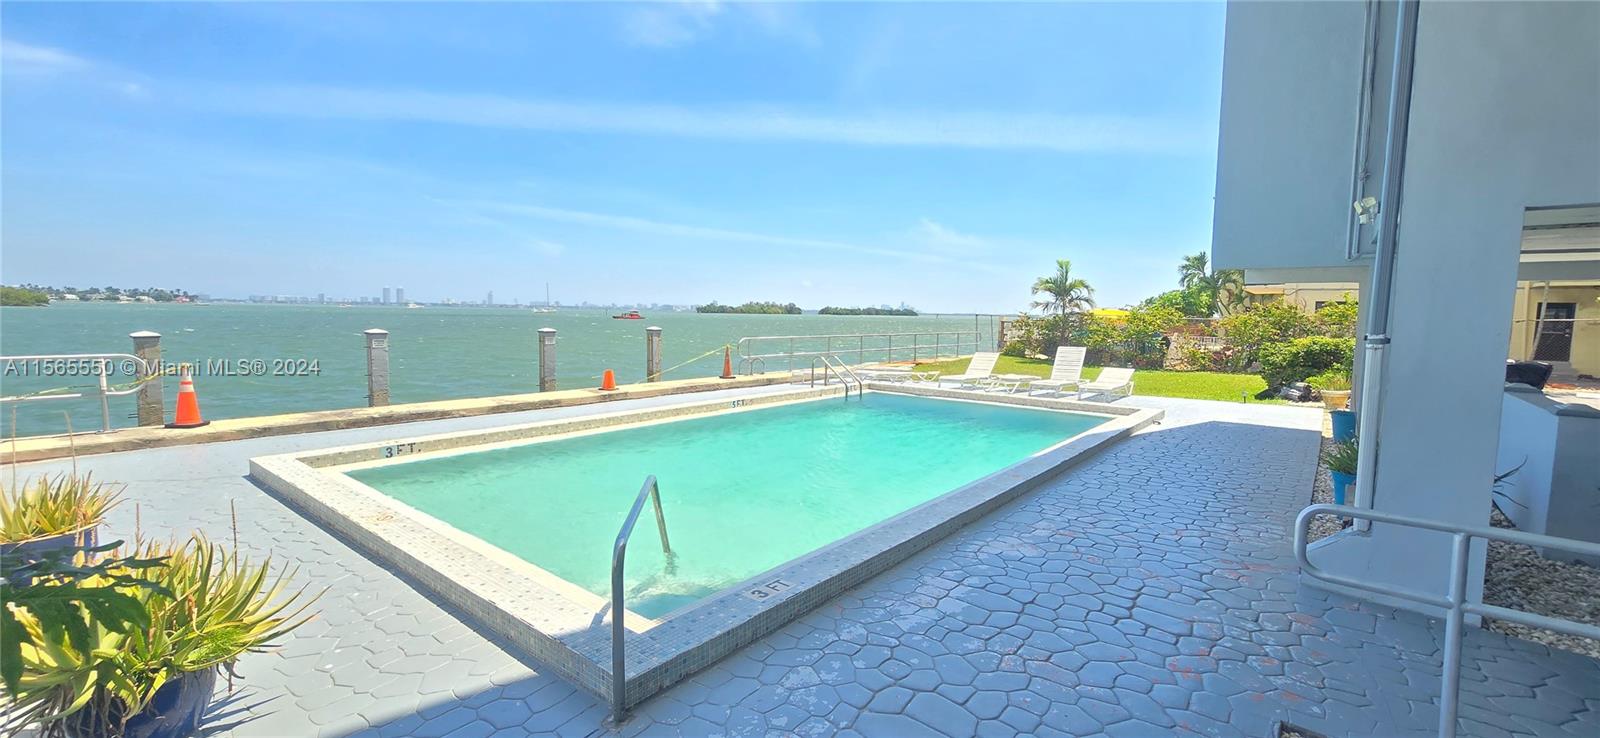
x: 1148, y: 592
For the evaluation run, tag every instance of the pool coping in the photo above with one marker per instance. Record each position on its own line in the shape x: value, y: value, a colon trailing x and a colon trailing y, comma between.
x: 548, y: 621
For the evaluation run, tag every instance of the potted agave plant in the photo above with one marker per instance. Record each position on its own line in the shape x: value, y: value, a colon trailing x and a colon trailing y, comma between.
x: 1340, y: 458
x: 51, y: 513
x: 88, y: 671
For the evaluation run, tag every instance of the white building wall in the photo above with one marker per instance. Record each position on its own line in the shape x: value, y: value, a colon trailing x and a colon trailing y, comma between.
x: 1505, y: 116
x: 1286, y: 151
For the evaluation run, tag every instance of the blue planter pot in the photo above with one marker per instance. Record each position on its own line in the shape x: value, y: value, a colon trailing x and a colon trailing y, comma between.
x: 174, y: 712
x: 33, y: 549
x: 1341, y: 481
x: 1344, y: 425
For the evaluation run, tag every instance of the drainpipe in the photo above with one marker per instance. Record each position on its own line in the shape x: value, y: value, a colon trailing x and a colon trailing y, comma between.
x: 1377, y: 336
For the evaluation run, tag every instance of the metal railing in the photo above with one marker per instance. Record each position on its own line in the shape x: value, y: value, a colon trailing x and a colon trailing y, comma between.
x: 846, y: 375
x: 878, y: 346
x: 96, y: 365
x: 619, y: 556
x: 1455, y: 603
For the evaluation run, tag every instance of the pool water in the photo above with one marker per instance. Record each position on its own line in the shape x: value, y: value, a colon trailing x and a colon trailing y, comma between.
x: 742, y: 492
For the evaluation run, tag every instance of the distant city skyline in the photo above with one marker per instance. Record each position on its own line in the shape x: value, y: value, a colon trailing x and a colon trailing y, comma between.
x: 846, y: 154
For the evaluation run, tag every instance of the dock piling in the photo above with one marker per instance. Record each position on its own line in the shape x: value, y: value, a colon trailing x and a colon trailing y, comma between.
x: 377, y: 367
x: 652, y: 354
x: 547, y: 359
x: 152, y: 409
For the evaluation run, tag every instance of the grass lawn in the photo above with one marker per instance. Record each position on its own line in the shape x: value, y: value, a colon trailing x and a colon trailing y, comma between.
x: 1191, y: 385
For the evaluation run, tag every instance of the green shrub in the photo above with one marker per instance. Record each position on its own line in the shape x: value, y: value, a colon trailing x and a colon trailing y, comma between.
x: 1015, y: 348
x: 1338, y: 318
x: 1249, y: 330
x: 1294, y: 361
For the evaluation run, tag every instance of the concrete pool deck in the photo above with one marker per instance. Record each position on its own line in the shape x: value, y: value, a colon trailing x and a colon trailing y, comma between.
x: 1149, y: 591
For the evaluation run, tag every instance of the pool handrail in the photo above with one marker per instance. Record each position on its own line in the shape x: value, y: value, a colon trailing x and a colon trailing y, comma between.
x: 846, y: 375
x: 619, y: 556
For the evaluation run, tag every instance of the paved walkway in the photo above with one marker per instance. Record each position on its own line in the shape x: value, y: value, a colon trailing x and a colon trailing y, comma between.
x: 1149, y: 592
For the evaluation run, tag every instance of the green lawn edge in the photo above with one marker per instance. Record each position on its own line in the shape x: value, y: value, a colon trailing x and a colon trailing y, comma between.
x: 1153, y: 382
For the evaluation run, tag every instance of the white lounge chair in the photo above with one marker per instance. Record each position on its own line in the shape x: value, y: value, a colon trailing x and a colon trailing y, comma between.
x: 979, y: 370
x: 1112, y: 381
x: 1066, y: 372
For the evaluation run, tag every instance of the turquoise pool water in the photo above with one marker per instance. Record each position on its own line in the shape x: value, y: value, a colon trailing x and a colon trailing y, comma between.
x: 742, y: 492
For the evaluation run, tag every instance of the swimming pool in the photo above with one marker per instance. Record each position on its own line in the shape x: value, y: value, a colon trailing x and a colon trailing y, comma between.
x: 776, y: 500
x: 741, y: 492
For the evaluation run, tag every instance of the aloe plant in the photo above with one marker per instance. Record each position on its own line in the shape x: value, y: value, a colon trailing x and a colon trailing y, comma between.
x: 1341, y: 457
x: 48, y: 506
x: 200, y: 608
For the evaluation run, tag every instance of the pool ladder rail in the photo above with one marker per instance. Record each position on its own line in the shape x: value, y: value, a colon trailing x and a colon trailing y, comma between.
x: 619, y: 556
x: 831, y: 364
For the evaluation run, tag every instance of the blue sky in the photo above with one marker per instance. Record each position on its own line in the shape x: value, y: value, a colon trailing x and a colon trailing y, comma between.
x: 942, y: 155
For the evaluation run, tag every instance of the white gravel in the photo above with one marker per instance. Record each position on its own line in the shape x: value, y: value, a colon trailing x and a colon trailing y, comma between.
x: 1518, y: 577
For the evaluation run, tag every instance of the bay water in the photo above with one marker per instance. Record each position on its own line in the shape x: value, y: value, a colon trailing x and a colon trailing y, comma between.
x: 293, y: 358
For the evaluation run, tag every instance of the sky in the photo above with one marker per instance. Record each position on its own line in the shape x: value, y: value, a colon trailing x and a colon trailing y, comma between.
x: 827, y: 154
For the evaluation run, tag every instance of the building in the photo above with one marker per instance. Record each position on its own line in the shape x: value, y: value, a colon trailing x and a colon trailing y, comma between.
x: 489, y: 300
x: 1308, y: 296
x: 1558, y: 322
x: 400, y: 295
x: 387, y: 296
x: 1442, y: 156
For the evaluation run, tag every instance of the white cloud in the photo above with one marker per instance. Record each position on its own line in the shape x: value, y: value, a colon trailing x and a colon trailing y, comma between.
x: 980, y: 130
x: 21, y: 58
x: 700, y: 233
x: 941, y: 238
x: 673, y: 24
x: 665, y: 25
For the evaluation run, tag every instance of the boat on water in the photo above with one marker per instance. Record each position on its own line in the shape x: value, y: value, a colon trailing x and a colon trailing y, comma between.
x: 412, y: 305
x: 630, y: 315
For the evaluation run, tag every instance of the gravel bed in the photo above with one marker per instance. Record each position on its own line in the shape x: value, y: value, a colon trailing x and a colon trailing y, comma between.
x: 1322, y: 491
x: 1518, y: 577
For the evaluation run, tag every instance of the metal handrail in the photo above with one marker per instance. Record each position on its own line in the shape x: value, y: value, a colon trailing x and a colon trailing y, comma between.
x: 102, y: 362
x: 831, y: 363
x: 1455, y: 603
x: 959, y: 342
x: 619, y: 556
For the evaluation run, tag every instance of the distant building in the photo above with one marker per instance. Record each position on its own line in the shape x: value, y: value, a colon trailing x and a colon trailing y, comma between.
x: 490, y: 299
x: 321, y: 298
x: 386, y: 295
x: 400, y: 295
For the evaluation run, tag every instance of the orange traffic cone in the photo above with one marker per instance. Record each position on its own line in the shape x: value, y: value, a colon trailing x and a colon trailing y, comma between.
x: 188, y: 403
x: 727, y: 363
x: 608, y: 380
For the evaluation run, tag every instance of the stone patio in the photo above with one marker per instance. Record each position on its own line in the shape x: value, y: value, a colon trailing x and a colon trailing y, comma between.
x: 1150, y: 591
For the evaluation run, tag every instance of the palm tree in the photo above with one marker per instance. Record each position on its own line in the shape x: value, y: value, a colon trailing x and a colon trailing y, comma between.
x: 1223, y: 289
x: 1067, y: 293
